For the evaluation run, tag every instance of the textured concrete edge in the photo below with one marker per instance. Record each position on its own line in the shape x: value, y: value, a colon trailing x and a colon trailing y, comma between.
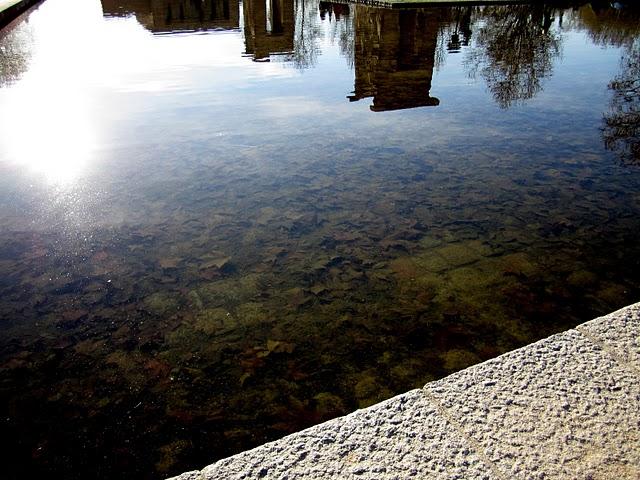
x: 615, y: 334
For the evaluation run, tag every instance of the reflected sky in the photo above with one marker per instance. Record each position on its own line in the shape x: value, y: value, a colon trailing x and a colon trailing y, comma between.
x: 75, y: 95
x: 222, y: 222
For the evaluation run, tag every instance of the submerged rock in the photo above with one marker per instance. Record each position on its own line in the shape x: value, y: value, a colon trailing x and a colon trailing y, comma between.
x: 329, y: 405
x: 457, y: 359
x: 211, y: 320
x: 582, y: 279
x: 458, y: 254
x: 161, y: 303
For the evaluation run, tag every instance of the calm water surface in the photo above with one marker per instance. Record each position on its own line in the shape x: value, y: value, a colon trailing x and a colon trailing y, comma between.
x: 221, y: 223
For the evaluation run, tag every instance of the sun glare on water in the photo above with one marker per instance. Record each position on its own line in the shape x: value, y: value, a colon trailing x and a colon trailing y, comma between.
x: 50, y: 134
x: 46, y: 118
x: 55, y: 117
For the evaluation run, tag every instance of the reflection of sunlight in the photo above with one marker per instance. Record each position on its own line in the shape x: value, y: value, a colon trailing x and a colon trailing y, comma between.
x: 49, y: 133
x: 46, y: 121
x: 82, y: 67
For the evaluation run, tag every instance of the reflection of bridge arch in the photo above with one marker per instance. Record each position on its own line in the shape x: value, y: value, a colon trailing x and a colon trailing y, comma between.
x: 178, y: 15
x: 268, y: 27
x: 394, y: 57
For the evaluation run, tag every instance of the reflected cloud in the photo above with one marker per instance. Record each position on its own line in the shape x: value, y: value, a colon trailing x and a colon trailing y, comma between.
x: 287, y: 107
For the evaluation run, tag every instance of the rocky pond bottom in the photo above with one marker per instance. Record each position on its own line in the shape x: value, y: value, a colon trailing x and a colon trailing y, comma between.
x: 227, y: 272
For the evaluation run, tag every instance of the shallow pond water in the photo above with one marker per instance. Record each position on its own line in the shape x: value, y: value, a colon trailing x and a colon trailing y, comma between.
x: 223, y: 222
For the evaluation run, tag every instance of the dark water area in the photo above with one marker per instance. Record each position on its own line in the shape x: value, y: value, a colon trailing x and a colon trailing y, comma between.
x: 221, y: 223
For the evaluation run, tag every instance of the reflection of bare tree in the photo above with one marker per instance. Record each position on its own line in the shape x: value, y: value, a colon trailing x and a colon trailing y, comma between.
x: 454, y: 32
x: 514, y: 51
x: 621, y: 131
x: 619, y: 27
x: 15, y: 53
x: 307, y: 34
x: 607, y: 25
x: 340, y: 27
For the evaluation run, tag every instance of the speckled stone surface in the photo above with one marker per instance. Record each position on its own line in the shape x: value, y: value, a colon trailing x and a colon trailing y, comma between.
x: 559, y: 408
x: 404, y: 437
x: 618, y: 333
x: 567, y: 407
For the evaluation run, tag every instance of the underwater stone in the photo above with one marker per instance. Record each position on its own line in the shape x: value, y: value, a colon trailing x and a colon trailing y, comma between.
x: 457, y: 359
x: 328, y: 404
x: 160, y: 303
x: 219, y: 262
x: 366, y: 387
x: 211, y: 320
x: 458, y: 254
x: 582, y: 279
x: 564, y: 407
x: 518, y: 264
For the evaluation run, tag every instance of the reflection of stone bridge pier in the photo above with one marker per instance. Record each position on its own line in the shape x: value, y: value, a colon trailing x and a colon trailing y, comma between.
x: 394, y: 57
x: 178, y: 15
x: 268, y: 27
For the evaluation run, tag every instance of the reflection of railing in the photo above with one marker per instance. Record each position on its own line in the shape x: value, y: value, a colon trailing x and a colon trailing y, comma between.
x: 336, y: 10
x: 431, y: 3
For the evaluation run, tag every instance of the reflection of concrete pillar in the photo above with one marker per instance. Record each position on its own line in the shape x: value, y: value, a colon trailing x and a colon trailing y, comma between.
x: 268, y: 27
x: 276, y: 17
x: 394, y: 57
x: 226, y: 12
x: 255, y: 18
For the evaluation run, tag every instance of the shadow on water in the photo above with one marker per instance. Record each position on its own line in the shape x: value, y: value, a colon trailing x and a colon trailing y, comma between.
x: 259, y: 288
